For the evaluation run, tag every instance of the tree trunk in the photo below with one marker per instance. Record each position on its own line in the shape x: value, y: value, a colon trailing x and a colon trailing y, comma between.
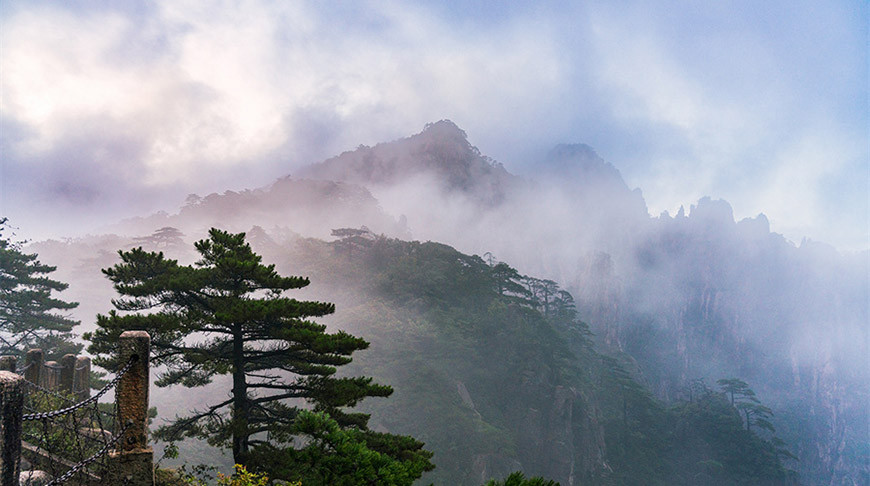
x: 240, y: 400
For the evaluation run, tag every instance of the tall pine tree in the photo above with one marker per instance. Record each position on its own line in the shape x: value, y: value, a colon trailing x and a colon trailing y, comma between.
x: 29, y: 314
x: 226, y: 315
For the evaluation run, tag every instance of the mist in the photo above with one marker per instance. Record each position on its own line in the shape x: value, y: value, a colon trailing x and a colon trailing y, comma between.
x: 122, y: 109
x: 696, y: 295
x: 695, y: 176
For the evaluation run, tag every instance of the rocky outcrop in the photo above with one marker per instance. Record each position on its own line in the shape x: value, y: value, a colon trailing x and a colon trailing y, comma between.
x: 560, y: 436
x: 488, y: 466
x: 441, y: 151
x: 710, y: 298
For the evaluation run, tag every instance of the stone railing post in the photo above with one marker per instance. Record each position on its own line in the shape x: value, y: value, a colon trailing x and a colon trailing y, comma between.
x: 67, y: 369
x: 11, y: 413
x: 81, y: 384
x: 34, y: 362
x: 8, y: 363
x: 133, y: 460
x: 50, y: 375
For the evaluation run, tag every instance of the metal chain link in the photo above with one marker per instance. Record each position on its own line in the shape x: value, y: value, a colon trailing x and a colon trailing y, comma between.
x: 64, y: 411
x: 102, y: 452
x: 46, y: 390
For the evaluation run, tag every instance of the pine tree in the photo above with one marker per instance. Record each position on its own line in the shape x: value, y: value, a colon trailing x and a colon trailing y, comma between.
x: 737, y: 390
x: 226, y: 315
x: 29, y: 315
x: 332, y: 456
x: 166, y: 238
x: 744, y: 400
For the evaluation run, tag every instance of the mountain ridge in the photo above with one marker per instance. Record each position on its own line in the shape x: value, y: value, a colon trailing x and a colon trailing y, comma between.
x: 692, y: 296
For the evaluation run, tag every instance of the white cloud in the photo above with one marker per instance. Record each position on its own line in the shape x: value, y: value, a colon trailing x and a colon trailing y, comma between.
x: 234, y: 78
x: 223, y: 94
x: 732, y: 112
x: 53, y: 73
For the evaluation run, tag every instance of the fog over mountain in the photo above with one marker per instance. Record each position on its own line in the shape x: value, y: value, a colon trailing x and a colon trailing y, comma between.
x: 115, y: 109
x: 694, y: 295
x: 686, y: 181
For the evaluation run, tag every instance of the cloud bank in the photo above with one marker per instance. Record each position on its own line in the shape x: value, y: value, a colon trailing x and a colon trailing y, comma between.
x: 109, y: 111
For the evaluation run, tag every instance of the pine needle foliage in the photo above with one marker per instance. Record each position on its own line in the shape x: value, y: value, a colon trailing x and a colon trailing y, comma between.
x: 30, y: 316
x: 227, y: 315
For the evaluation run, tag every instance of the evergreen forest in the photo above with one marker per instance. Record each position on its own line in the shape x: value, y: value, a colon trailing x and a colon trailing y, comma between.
x: 484, y: 373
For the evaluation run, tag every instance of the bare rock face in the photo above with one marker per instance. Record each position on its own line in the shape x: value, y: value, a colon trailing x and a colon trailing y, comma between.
x: 486, y: 466
x: 560, y: 435
x: 559, y: 452
x: 832, y: 457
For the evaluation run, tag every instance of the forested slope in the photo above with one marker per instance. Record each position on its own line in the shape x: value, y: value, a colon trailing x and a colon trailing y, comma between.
x: 494, y: 371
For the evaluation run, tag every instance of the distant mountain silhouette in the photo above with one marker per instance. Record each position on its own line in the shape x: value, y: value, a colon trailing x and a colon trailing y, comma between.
x: 693, y: 296
x: 441, y: 150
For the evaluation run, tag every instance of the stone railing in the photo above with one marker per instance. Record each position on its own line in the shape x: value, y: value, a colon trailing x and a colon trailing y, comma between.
x: 123, y: 455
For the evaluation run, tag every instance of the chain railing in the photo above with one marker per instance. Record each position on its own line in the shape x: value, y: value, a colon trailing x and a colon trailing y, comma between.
x: 80, y: 467
x: 77, y: 406
x: 69, y: 440
x: 67, y: 437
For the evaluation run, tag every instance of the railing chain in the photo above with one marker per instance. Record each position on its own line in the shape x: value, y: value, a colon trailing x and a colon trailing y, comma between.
x: 64, y: 411
x: 81, y: 465
x: 49, y: 392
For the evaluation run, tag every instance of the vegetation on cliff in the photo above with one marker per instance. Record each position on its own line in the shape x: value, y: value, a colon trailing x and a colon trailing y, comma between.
x: 495, y: 372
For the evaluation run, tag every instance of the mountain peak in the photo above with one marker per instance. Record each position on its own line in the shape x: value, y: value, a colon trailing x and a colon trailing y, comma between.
x: 440, y: 150
x: 444, y: 129
x: 566, y: 151
x: 577, y: 162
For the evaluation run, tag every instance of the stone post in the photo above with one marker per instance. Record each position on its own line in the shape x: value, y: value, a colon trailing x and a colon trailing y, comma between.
x: 11, y: 412
x: 33, y: 362
x: 67, y: 369
x: 81, y: 386
x: 8, y: 363
x: 132, y: 462
x: 50, y: 375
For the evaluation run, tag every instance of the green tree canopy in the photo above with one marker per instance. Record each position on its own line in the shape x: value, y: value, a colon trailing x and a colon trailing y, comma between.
x: 163, y: 238
x: 332, y: 456
x: 737, y: 390
x: 519, y: 479
x: 226, y: 315
x: 29, y: 315
x: 717, y: 442
x: 744, y: 400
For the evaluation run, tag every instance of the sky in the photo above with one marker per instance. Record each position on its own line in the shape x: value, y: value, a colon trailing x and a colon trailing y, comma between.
x: 115, y: 109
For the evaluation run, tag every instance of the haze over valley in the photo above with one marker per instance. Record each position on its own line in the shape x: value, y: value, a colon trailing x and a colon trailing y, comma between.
x: 693, y: 296
x: 595, y: 244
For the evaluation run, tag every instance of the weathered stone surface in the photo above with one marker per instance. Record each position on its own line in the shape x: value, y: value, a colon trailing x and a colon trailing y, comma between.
x: 133, y: 461
x: 51, y: 375
x: 33, y: 362
x: 34, y: 478
x: 8, y: 363
x: 131, y: 468
x: 560, y: 438
x: 132, y: 392
x: 67, y: 369
x: 11, y: 410
x: 466, y: 397
x: 82, y: 378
